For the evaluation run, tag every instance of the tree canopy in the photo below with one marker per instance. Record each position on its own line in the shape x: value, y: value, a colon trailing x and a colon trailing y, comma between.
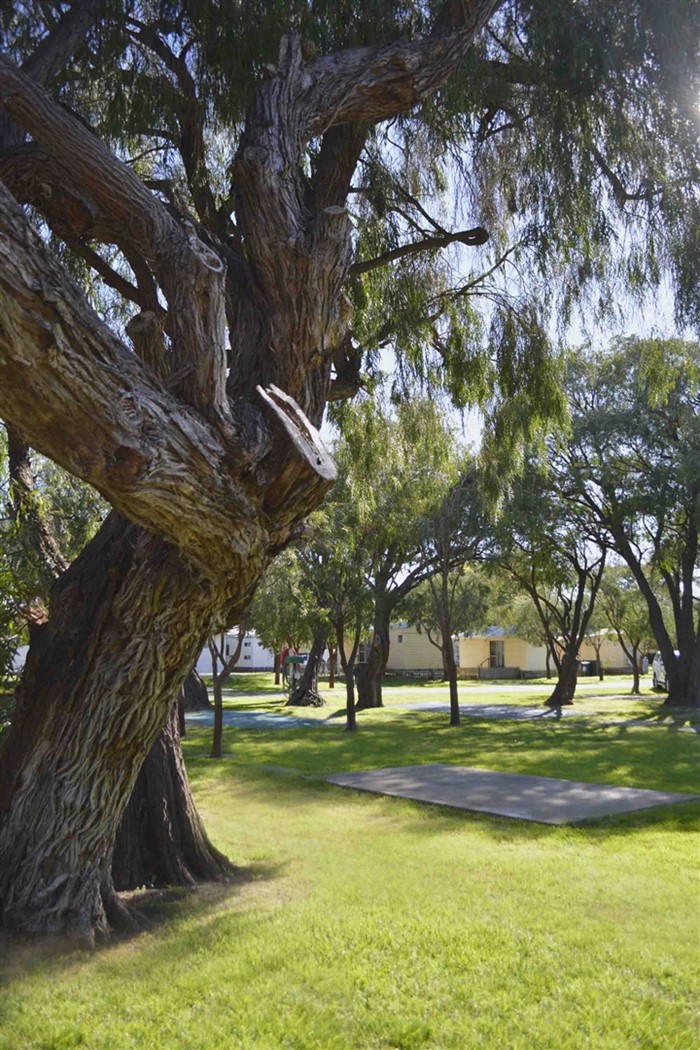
x: 632, y: 469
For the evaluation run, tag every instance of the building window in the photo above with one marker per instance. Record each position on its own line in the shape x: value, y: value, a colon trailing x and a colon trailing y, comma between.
x: 362, y: 653
x: 497, y: 656
x: 247, y: 656
x: 228, y: 650
x: 247, y: 645
x: 400, y: 638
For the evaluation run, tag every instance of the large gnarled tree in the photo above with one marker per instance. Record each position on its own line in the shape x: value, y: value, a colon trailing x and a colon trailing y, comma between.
x: 196, y: 420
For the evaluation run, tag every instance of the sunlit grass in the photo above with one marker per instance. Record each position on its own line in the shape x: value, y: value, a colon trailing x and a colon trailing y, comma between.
x: 367, y: 922
x: 607, y: 700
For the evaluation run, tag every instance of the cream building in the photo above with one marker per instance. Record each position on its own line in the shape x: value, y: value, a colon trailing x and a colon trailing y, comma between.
x: 410, y: 650
x: 499, y: 654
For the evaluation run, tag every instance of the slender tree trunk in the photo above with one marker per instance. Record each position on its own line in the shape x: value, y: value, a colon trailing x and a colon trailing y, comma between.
x: 548, y: 662
x: 348, y: 666
x: 277, y: 668
x: 448, y: 661
x: 350, y: 710
x: 635, y: 671
x: 161, y: 840
x: 105, y: 690
x: 306, y: 694
x: 563, y: 693
x: 218, y: 734
x: 332, y: 660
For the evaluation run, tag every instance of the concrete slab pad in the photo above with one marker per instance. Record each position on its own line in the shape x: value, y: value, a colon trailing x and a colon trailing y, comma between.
x: 543, y: 800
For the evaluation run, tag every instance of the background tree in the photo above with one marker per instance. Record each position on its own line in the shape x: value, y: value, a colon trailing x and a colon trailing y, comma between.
x: 399, y: 467
x: 627, y: 613
x: 633, y: 468
x: 222, y: 664
x: 596, y: 635
x: 451, y: 599
x: 225, y: 237
x: 447, y: 604
x: 518, y: 611
x: 332, y: 563
x: 278, y: 612
x: 547, y: 552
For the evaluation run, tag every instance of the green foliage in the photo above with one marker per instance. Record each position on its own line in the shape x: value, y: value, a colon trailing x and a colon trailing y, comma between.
x: 544, y: 545
x: 625, y: 609
x: 466, y: 607
x: 74, y: 510
x: 570, y: 134
x: 633, y: 465
x: 280, y: 610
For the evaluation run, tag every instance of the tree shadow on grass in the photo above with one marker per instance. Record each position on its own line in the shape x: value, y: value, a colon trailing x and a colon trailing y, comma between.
x: 154, y: 908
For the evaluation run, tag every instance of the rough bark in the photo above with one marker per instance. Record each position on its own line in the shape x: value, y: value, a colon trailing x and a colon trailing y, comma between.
x: 65, y: 779
x: 161, y: 840
x: 160, y: 837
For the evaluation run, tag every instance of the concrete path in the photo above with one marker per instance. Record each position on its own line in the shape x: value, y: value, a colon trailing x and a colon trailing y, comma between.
x: 543, y: 800
x: 252, y: 720
x: 497, y: 711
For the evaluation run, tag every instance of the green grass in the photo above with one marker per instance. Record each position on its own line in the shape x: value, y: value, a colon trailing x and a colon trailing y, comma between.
x: 366, y: 922
x: 610, y: 699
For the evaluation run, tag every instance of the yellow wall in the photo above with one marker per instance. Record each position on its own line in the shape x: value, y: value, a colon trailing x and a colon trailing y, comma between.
x: 474, y: 652
x: 611, y: 653
x: 413, y: 653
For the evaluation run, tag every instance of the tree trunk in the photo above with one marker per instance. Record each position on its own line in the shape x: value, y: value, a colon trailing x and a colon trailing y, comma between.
x: 683, y: 677
x: 332, y: 661
x: 181, y: 725
x: 277, y: 668
x: 563, y: 693
x: 306, y: 694
x: 450, y: 668
x: 348, y: 666
x: 161, y: 840
x: 635, y: 671
x: 105, y: 689
x: 195, y: 692
x: 217, y: 735
x: 370, y: 674
x: 548, y: 662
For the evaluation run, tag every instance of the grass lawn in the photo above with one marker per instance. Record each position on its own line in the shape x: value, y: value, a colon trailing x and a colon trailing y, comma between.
x: 367, y: 922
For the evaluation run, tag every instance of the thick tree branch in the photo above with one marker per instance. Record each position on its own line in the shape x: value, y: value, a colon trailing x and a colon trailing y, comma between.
x: 472, y: 238
x: 374, y: 83
x: 191, y: 275
x: 64, y: 40
x: 77, y: 394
